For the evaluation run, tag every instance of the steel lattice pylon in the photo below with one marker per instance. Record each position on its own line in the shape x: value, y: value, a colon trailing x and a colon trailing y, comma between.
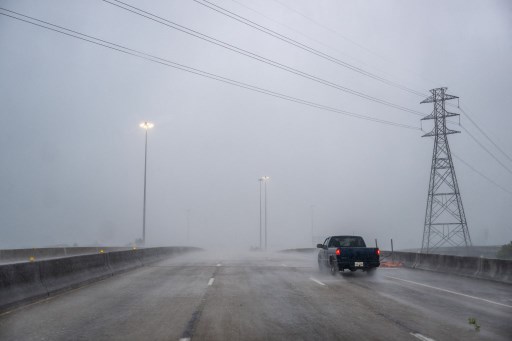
x: 445, y: 220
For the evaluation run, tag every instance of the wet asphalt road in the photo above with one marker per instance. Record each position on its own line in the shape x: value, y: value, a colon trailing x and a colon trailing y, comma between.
x: 256, y: 296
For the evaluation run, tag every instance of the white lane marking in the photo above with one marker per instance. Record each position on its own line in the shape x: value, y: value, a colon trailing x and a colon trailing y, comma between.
x: 316, y: 280
x: 219, y: 264
x: 451, y: 292
x: 284, y: 264
x: 185, y: 339
x: 421, y: 337
x: 210, y: 282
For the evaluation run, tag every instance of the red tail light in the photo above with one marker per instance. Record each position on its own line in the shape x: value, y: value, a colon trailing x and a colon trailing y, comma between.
x: 377, y: 252
x: 338, y: 252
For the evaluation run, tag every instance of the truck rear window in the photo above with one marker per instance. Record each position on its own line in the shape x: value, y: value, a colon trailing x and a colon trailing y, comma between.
x: 347, y: 242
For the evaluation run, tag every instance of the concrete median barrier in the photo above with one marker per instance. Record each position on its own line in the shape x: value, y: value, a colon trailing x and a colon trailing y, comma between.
x: 19, y: 284
x: 25, y: 282
x: 23, y: 255
x: 71, y: 272
x: 300, y: 250
x: 476, y: 267
x: 121, y: 261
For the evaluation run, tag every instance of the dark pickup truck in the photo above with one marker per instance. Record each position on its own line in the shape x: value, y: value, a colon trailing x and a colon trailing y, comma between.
x: 347, y: 252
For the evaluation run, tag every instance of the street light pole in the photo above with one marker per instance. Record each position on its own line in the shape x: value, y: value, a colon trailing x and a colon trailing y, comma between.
x: 313, y: 224
x: 188, y: 227
x: 264, y: 179
x: 260, y: 180
x: 146, y: 126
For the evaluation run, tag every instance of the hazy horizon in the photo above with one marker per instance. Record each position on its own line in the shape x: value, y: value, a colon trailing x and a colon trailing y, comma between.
x: 73, y: 152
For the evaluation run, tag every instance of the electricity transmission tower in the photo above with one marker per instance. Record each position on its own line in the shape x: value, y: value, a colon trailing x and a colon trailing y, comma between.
x: 445, y: 221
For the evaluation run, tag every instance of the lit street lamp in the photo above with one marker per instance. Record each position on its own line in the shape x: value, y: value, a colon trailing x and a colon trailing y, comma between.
x: 146, y: 126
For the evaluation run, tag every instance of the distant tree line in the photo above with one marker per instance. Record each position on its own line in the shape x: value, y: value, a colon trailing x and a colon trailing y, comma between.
x: 505, y: 252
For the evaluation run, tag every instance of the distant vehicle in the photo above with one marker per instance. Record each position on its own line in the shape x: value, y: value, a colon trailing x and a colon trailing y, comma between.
x: 340, y: 253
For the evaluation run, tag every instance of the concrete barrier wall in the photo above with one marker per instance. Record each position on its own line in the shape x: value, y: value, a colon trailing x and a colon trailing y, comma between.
x: 122, y: 261
x: 20, y: 283
x: 476, y: 267
x: 71, y: 272
x: 25, y: 282
x: 301, y: 250
x: 23, y: 255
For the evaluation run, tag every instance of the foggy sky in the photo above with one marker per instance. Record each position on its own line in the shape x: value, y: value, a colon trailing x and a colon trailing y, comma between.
x: 73, y: 154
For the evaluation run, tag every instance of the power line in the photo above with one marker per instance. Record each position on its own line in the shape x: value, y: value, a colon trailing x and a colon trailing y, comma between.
x: 487, y: 150
x: 210, y: 39
x: 302, y: 46
x: 481, y: 174
x: 337, y: 33
x: 162, y: 61
x: 485, y: 134
x: 458, y: 106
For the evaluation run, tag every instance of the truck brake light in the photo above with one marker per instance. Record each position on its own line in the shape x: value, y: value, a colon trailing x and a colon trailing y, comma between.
x: 377, y: 252
x: 338, y: 252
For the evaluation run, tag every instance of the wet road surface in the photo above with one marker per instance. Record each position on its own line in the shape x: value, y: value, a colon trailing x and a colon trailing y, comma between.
x: 275, y: 296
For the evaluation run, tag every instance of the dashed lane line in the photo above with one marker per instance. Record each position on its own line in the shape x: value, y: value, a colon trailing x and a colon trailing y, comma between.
x: 210, y: 282
x: 421, y: 337
x: 316, y: 281
x: 450, y: 291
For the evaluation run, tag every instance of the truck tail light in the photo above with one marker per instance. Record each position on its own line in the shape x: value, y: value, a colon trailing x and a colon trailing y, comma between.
x: 377, y: 252
x: 338, y: 252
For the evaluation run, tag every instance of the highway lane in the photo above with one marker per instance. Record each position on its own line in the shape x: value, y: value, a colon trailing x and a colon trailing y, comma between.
x: 257, y: 296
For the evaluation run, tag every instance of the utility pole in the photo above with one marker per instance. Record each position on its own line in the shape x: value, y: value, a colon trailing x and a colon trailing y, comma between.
x: 445, y: 220
x: 188, y: 226
x: 313, y: 224
x: 260, y: 180
x: 263, y: 180
x: 145, y: 125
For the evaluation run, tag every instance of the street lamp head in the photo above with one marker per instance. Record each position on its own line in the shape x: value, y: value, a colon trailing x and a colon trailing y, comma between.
x: 146, y: 125
x: 265, y: 178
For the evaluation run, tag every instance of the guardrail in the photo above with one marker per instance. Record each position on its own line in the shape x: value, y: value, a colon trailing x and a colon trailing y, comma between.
x: 21, y: 283
x: 477, y: 267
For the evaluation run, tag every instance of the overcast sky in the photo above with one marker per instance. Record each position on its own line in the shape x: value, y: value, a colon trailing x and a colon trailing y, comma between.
x: 72, y: 151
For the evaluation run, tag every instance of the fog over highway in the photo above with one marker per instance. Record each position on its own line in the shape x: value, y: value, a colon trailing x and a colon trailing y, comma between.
x: 73, y: 153
x: 257, y: 296
x: 135, y: 130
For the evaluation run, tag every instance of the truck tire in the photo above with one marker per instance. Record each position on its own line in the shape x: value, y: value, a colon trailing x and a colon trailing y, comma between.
x: 334, y: 267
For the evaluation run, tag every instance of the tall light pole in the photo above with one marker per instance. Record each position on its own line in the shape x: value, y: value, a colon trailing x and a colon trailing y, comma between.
x: 313, y: 224
x: 146, y: 126
x: 261, y: 181
x: 188, y: 226
x: 264, y: 179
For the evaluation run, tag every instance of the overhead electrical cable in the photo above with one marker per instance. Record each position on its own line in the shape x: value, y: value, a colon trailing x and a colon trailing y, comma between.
x: 487, y: 150
x: 302, y: 46
x: 252, y: 55
x: 484, y: 134
x: 337, y: 33
x: 162, y: 61
x: 481, y: 174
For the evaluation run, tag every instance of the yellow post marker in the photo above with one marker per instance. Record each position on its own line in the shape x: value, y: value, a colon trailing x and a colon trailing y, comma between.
x: 101, y: 251
x: 31, y: 259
